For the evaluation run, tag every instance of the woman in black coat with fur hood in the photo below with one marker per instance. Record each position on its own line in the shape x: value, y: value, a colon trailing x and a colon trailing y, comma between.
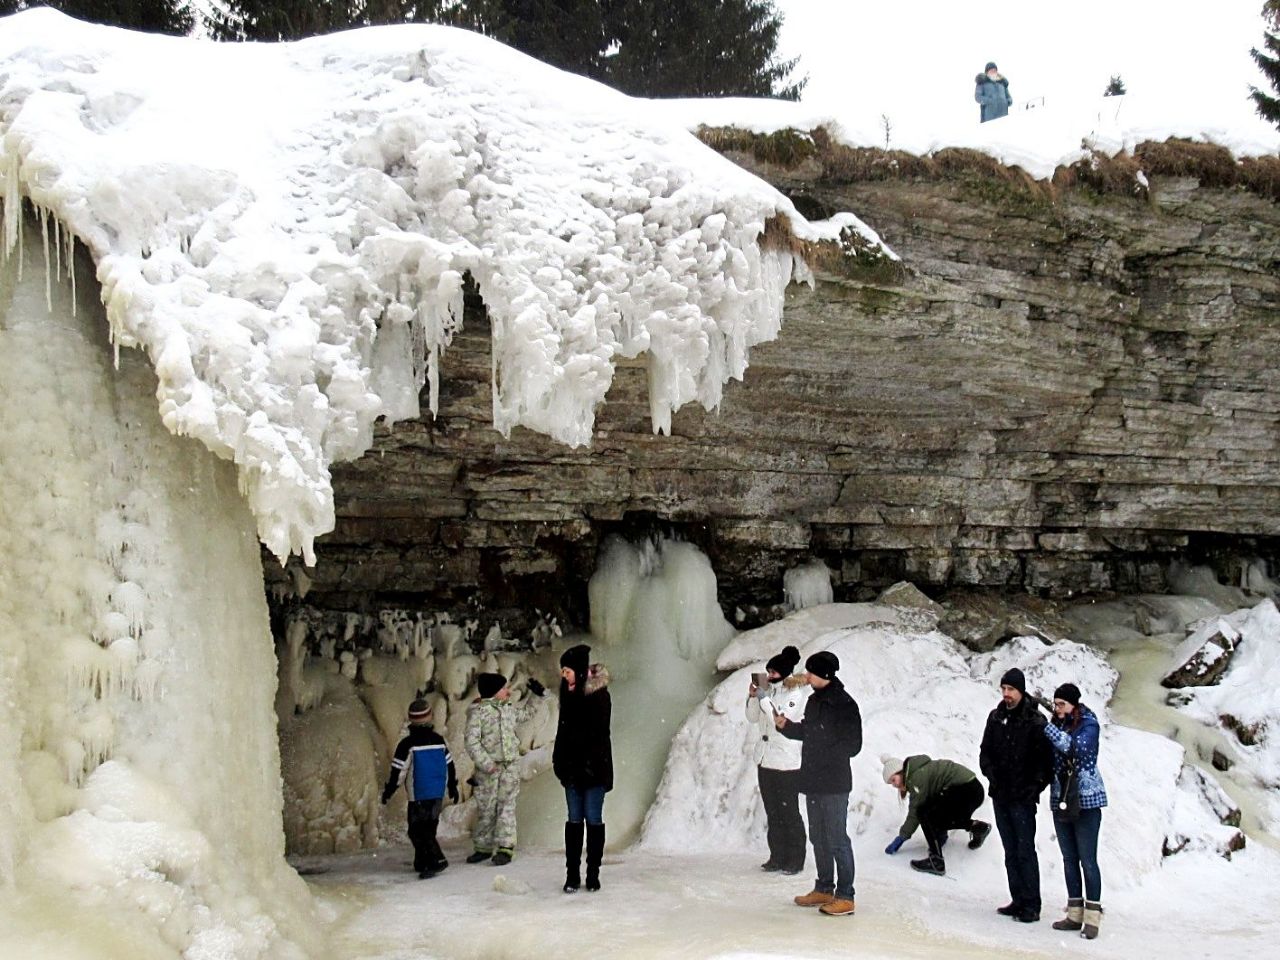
x: 583, y: 761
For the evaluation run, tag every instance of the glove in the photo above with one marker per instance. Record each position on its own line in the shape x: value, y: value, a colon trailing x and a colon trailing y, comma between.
x: 387, y: 794
x: 895, y: 845
x: 535, y: 687
x: 453, y: 794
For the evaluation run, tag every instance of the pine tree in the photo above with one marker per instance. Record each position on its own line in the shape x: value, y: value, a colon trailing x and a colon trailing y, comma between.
x: 568, y: 34
x: 152, y: 16
x: 295, y: 19
x: 1115, y: 88
x: 697, y: 48
x: 1268, y: 107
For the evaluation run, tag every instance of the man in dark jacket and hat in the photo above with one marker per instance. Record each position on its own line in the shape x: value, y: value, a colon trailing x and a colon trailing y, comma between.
x: 1018, y: 765
x: 831, y: 733
x: 992, y: 93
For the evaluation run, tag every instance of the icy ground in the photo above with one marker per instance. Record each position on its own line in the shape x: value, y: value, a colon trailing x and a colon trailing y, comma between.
x: 707, y: 906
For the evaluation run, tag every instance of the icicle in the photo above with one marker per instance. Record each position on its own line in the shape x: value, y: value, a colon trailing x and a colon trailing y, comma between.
x: 71, y: 275
x: 44, y: 244
x: 12, y: 206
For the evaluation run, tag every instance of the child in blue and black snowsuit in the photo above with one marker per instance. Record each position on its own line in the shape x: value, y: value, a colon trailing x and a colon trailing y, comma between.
x: 424, y: 757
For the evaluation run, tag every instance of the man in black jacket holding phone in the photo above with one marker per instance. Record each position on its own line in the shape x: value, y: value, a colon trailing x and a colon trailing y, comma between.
x: 1017, y: 761
x: 831, y: 733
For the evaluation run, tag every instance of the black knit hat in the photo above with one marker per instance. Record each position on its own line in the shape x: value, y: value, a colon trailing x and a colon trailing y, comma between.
x: 823, y: 664
x: 577, y: 659
x: 1013, y: 677
x: 419, y: 711
x: 1068, y: 692
x: 487, y: 684
x: 990, y: 66
x: 784, y: 663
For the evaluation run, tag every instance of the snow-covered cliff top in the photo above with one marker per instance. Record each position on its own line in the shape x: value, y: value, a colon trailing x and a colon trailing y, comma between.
x: 285, y: 228
x: 1039, y: 137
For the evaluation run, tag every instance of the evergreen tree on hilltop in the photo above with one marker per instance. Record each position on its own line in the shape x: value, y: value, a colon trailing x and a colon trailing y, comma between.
x: 295, y: 19
x: 697, y: 48
x: 152, y: 16
x: 569, y: 34
x: 1115, y: 87
x: 1268, y: 107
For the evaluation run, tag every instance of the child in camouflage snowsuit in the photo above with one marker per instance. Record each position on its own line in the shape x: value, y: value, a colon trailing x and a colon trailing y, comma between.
x: 494, y: 746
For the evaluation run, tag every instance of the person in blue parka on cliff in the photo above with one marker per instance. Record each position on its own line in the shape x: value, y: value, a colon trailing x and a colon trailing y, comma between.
x: 992, y: 92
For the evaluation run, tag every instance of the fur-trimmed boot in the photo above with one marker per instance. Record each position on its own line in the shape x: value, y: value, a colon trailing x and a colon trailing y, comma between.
x: 1074, y: 919
x: 572, y: 856
x: 595, y: 853
x: 1092, y: 919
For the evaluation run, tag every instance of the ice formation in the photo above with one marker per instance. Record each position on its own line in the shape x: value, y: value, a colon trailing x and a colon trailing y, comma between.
x: 808, y: 585
x: 285, y: 229
x: 657, y: 627
x: 139, y: 772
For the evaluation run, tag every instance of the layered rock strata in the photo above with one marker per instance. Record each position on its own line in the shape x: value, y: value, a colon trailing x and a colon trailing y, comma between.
x: 1064, y: 389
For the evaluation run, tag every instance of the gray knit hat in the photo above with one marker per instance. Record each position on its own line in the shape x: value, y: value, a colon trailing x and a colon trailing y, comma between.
x: 891, y: 766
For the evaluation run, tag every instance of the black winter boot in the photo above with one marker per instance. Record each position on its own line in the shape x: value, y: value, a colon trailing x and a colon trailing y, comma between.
x: 933, y: 864
x: 595, y: 853
x: 572, y: 856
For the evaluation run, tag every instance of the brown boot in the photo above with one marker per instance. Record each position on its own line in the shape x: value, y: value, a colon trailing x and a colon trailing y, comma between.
x: 1092, y: 919
x: 815, y: 898
x: 837, y: 908
x: 1074, y: 919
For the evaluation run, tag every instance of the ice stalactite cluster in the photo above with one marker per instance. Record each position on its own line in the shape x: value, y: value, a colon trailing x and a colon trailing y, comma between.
x: 346, y: 681
x: 285, y: 229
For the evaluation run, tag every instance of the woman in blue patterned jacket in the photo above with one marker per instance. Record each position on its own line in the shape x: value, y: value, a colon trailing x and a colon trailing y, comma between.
x: 1074, y: 736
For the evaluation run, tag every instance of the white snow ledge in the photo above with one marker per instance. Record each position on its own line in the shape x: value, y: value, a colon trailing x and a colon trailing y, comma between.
x: 284, y: 229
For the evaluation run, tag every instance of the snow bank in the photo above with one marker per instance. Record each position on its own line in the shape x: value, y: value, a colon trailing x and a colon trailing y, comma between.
x: 285, y: 229
x: 1053, y: 134
x: 919, y: 692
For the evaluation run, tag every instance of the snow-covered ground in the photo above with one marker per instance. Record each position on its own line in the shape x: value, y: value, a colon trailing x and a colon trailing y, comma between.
x: 721, y: 906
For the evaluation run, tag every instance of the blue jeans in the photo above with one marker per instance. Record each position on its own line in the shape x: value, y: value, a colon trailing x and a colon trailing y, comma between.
x: 1078, y: 842
x: 585, y: 803
x: 832, y: 851
x: 1016, y: 822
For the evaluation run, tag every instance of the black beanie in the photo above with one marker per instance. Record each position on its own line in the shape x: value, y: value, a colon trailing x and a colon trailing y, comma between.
x: 419, y: 711
x: 577, y: 659
x: 1068, y: 692
x: 990, y: 66
x: 1013, y: 677
x: 784, y: 663
x: 823, y: 664
x: 487, y: 684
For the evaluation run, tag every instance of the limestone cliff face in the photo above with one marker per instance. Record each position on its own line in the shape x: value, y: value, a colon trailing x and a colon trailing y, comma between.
x: 1062, y: 392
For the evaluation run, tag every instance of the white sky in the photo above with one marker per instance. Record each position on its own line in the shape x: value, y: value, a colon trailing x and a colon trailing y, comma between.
x: 918, y: 57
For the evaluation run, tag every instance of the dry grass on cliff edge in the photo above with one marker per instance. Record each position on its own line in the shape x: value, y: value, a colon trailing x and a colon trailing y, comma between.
x: 1212, y: 165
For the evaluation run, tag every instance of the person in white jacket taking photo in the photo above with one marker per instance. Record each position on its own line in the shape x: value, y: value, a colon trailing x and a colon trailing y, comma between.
x: 778, y: 759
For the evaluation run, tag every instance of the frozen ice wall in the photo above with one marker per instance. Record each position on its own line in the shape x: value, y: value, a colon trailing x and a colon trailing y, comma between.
x: 139, y: 771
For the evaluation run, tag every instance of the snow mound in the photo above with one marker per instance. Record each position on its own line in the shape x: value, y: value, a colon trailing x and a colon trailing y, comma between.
x: 919, y: 691
x: 285, y: 229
